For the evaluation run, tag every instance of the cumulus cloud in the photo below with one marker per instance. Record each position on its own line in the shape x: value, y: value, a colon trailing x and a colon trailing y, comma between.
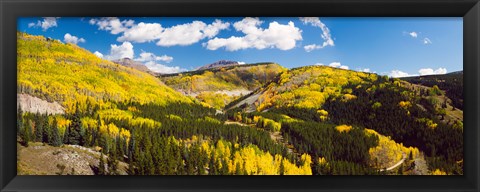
x: 366, y: 70
x: 72, y: 39
x: 112, y: 24
x: 283, y: 37
x: 151, y: 62
x: 125, y: 50
x: 190, y: 33
x: 413, y: 34
x: 146, y: 56
x: 398, y: 74
x: 427, y: 41
x: 46, y: 23
x: 182, y: 34
x: 338, y: 65
x: 98, y: 54
x: 319, y: 64
x: 164, y: 69
x: 241, y: 62
x: 326, y: 36
x: 430, y: 71
x: 143, y: 32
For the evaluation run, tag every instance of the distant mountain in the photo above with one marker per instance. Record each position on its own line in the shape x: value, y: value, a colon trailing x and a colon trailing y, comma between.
x: 221, y: 63
x: 220, y: 86
x: 127, y: 62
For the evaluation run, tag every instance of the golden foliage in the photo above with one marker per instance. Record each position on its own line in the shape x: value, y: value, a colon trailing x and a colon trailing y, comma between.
x: 388, y: 152
x: 72, y: 76
x: 309, y: 87
x: 343, y: 128
x: 439, y: 172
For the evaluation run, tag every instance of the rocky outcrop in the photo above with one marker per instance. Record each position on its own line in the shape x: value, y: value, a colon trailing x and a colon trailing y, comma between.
x: 221, y: 63
x: 127, y: 62
x: 34, y: 104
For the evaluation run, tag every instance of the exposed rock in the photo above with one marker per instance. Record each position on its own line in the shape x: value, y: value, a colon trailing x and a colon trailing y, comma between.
x: 221, y: 63
x: 42, y: 159
x: 127, y: 62
x: 34, y: 104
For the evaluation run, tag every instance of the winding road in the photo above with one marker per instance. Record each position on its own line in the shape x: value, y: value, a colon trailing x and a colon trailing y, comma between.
x: 397, y: 164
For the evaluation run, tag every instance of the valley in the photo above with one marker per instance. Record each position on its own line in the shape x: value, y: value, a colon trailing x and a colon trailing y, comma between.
x: 98, y: 117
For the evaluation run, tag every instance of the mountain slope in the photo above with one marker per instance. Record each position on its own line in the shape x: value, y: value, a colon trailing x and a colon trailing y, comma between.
x: 325, y: 97
x: 219, y: 86
x: 451, y: 83
x: 68, y: 74
x: 308, y: 87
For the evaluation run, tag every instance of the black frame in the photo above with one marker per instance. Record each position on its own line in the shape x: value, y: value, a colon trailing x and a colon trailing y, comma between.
x: 11, y: 9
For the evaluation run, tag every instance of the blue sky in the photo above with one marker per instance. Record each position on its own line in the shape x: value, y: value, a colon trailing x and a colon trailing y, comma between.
x: 388, y: 46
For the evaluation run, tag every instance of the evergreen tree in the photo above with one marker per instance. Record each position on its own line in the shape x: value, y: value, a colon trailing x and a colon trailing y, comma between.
x: 74, y: 136
x: 47, y: 132
x: 55, y: 141
x: 19, y: 119
x: 38, y: 127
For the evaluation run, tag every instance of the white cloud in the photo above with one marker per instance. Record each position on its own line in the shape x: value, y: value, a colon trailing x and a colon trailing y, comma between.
x: 190, y: 33
x: 98, y: 54
x: 146, y: 57
x: 430, y: 71
x: 143, y: 32
x: 160, y: 68
x: 326, y: 36
x: 427, y: 41
x: 312, y: 47
x: 241, y: 62
x: 72, y: 39
x: 413, y: 34
x: 46, y: 23
x: 338, y: 65
x: 335, y: 64
x: 182, y: 34
x: 277, y: 35
x: 319, y: 64
x: 398, y: 73
x: 366, y: 70
x: 125, y: 50
x: 150, y: 60
x: 112, y: 24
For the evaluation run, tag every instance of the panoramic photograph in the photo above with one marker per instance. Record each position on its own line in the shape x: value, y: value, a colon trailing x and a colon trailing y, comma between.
x: 240, y: 96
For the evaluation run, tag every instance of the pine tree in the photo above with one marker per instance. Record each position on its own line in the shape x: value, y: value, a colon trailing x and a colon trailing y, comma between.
x: 55, y: 141
x: 47, y: 132
x: 74, y: 136
x: 19, y: 119
x: 38, y: 127
x: 26, y: 133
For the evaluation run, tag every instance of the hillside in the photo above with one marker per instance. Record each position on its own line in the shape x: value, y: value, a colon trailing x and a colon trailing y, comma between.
x: 313, y: 120
x: 451, y: 83
x: 68, y: 74
x: 328, y: 97
x: 218, y: 87
x: 129, y: 116
x: 308, y: 87
x: 40, y: 159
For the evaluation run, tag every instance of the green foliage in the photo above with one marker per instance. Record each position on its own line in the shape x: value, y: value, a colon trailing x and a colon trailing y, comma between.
x: 451, y: 83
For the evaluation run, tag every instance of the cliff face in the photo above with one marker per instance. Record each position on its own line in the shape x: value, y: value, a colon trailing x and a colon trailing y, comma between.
x: 35, y: 104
